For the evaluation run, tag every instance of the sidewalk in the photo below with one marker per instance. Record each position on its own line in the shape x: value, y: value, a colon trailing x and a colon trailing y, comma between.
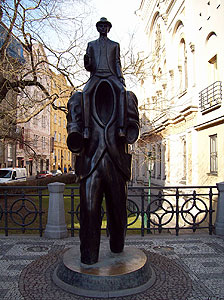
x: 187, y: 267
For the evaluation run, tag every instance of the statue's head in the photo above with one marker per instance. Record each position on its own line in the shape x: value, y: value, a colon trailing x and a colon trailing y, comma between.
x: 103, y: 26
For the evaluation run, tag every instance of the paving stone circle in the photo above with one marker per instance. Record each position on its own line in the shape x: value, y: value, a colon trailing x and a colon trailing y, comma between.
x: 172, y: 282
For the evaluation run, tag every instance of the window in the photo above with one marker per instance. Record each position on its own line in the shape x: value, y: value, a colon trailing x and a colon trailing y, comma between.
x: 64, y: 124
x: 213, y: 154
x: 59, y: 137
x: 55, y: 136
x: 68, y: 155
x: 55, y: 119
x: 60, y: 121
x: 43, y: 121
x: 43, y: 143
x: 35, y: 120
x: 212, y: 69
x: 184, y: 159
x: 35, y: 139
x: 10, y: 154
x: 182, y: 66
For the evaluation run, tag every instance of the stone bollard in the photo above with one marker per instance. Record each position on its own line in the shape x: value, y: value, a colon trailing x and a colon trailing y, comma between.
x: 56, y: 227
x: 219, y: 223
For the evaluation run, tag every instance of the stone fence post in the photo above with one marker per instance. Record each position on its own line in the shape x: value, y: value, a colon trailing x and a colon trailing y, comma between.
x: 56, y: 227
x: 219, y: 223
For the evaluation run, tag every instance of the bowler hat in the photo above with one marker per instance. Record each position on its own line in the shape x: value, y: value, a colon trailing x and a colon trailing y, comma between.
x: 104, y: 20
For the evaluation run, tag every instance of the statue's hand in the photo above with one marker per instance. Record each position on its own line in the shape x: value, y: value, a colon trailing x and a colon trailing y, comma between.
x: 86, y: 59
x: 122, y: 81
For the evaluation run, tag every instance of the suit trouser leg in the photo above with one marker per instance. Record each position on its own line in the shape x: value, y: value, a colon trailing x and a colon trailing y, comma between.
x: 122, y: 105
x: 109, y: 180
x: 116, y: 198
x: 90, y: 86
x: 90, y: 217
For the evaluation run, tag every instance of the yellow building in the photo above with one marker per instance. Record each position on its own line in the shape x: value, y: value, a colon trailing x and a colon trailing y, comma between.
x: 61, y: 156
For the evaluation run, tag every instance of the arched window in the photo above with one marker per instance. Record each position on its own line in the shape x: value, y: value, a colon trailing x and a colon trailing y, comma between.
x: 182, y: 65
x: 211, y: 48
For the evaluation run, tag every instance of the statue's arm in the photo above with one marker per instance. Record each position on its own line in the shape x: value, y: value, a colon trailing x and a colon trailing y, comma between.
x: 118, y: 65
x: 88, y: 59
x: 75, y: 123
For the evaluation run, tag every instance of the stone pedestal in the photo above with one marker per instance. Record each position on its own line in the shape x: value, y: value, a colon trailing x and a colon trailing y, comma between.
x: 114, y: 275
x: 56, y: 227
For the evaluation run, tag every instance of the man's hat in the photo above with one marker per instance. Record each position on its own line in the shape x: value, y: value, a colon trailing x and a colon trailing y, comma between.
x: 104, y: 20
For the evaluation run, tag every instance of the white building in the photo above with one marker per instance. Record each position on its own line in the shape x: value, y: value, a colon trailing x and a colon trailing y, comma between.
x: 182, y: 112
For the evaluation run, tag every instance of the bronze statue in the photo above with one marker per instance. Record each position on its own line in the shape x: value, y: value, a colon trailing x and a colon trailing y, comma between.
x: 102, y: 60
x: 102, y: 121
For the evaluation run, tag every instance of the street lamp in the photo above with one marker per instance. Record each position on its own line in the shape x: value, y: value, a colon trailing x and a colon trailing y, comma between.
x: 149, y: 190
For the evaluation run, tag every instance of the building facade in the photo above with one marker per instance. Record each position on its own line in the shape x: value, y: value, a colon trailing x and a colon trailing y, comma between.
x: 61, y: 157
x: 33, y: 148
x: 182, y: 134
x: 12, y: 60
x: 33, y: 134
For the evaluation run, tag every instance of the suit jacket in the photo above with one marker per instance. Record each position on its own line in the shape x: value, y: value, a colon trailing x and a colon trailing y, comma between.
x: 103, y: 136
x: 113, y: 57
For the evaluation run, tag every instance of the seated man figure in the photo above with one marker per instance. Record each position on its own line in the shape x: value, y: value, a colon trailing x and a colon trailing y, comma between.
x: 102, y: 60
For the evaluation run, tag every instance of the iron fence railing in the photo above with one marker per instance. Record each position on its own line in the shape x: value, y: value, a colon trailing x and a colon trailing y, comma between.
x: 161, y: 208
x: 211, y: 96
x: 21, y: 209
x: 149, y: 210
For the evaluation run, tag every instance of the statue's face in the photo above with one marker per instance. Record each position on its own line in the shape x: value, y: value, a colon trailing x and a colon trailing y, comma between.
x: 103, y: 28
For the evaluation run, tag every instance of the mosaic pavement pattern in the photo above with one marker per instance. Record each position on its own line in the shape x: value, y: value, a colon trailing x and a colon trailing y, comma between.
x: 187, y: 267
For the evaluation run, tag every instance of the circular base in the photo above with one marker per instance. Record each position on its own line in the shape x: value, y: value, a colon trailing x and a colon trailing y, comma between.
x: 114, y: 275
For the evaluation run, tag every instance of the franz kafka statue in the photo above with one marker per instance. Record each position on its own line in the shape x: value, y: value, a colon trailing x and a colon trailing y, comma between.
x: 102, y: 121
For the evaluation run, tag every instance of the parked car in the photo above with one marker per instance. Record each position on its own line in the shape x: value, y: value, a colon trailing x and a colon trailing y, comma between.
x: 72, y: 172
x: 44, y: 174
x: 56, y: 172
x: 12, y: 174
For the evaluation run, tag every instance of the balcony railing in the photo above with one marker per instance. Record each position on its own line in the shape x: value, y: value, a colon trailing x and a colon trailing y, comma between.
x: 211, y: 96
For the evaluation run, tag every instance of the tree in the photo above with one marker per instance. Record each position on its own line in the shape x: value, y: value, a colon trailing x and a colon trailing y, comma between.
x: 28, y: 30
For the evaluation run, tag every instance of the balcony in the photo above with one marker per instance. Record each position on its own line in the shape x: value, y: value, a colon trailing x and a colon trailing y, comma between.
x: 211, y: 97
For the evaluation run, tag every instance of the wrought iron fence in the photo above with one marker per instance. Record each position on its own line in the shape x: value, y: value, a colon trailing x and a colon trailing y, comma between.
x: 21, y: 209
x: 148, y: 210
x: 161, y: 208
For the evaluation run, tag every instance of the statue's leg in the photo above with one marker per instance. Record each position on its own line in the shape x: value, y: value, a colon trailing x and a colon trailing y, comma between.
x: 122, y: 106
x: 116, y: 198
x: 88, y: 89
x: 90, y: 217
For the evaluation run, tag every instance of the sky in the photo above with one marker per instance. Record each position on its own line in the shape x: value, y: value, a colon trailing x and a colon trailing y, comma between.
x: 121, y: 13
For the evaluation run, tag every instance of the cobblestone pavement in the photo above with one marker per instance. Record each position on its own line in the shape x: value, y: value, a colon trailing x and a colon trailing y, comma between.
x: 187, y: 267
